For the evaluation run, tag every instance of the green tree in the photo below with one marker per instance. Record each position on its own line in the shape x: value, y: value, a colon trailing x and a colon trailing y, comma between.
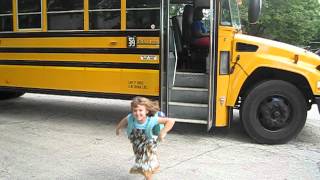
x: 292, y: 21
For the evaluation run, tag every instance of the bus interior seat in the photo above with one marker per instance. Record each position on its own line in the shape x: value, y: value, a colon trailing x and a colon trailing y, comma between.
x: 178, y: 41
x: 182, y: 33
x: 196, y: 56
x: 177, y: 32
x: 181, y: 26
x: 187, y: 20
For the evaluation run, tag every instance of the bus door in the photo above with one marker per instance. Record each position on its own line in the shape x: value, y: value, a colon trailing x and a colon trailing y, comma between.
x: 187, y: 89
x: 228, y: 25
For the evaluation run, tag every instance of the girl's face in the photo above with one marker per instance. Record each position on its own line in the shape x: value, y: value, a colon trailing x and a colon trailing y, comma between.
x: 140, y: 113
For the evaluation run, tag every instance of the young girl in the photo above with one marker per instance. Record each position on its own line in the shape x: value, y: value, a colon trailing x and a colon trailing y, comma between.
x: 140, y: 124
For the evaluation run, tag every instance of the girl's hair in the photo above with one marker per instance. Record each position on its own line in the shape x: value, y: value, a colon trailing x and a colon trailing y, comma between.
x: 151, y: 106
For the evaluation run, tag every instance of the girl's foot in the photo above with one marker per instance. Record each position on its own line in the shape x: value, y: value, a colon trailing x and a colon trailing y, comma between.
x: 148, y: 175
x: 135, y: 171
x: 156, y: 169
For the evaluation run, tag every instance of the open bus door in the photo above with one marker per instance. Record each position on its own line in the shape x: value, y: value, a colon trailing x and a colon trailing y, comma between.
x: 226, y: 32
x: 164, y: 56
x: 187, y: 94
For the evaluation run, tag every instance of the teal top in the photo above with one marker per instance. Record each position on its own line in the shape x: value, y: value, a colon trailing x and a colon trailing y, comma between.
x: 138, y: 125
x: 148, y: 126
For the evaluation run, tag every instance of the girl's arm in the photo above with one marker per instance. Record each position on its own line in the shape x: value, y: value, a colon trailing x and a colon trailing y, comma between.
x: 121, y: 125
x: 168, y: 124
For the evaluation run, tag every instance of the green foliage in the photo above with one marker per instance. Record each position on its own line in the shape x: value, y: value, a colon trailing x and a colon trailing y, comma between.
x: 176, y: 9
x: 292, y: 21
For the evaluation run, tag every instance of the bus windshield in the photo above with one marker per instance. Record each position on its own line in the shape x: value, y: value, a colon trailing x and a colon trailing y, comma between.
x: 235, y: 17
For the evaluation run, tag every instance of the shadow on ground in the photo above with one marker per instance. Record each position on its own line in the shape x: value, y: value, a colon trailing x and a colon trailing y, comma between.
x: 102, y: 111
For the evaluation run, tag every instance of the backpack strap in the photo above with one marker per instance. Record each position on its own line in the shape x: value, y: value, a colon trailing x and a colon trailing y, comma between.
x: 149, y: 128
x: 151, y: 124
x: 157, y: 128
x: 130, y: 124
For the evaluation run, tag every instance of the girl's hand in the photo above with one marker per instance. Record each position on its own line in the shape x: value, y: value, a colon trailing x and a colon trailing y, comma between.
x: 168, y: 124
x: 117, y: 131
x: 121, y: 125
x: 162, y: 135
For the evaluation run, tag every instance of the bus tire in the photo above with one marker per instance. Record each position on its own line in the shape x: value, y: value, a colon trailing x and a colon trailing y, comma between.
x: 10, y: 94
x: 273, y: 112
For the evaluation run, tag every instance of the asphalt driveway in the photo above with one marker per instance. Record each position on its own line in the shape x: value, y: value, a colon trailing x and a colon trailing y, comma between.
x: 61, y: 137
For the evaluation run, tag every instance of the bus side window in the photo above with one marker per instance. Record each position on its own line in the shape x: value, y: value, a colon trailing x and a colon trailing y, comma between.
x: 65, y: 15
x: 143, y: 14
x: 6, y: 20
x: 29, y: 14
x: 104, y: 14
x: 225, y: 13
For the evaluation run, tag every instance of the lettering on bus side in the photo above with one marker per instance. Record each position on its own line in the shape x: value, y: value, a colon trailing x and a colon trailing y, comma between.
x: 147, y: 42
x: 136, y: 85
x: 131, y: 42
x: 148, y: 58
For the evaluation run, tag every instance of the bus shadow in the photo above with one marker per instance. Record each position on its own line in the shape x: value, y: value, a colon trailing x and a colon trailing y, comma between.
x: 235, y: 132
x: 48, y: 107
x: 35, y: 107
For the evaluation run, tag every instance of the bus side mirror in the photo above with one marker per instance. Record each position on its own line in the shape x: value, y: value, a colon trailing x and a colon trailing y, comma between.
x: 254, y: 10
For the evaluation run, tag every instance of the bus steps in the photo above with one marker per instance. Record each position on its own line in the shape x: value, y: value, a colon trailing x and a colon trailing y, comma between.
x: 192, y: 121
x: 187, y: 79
x: 188, y: 110
x: 189, y: 95
x: 189, y: 98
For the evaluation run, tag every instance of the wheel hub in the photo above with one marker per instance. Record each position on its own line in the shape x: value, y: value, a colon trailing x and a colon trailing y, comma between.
x: 274, y: 113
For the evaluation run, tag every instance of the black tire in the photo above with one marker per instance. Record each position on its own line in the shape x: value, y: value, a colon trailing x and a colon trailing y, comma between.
x: 273, y: 112
x: 10, y: 94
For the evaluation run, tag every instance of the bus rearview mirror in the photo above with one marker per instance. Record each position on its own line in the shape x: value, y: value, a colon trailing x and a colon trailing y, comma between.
x: 254, y: 10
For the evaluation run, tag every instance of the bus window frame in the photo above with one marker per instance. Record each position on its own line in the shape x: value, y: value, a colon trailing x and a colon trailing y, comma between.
x: 36, y: 13
x: 44, y: 13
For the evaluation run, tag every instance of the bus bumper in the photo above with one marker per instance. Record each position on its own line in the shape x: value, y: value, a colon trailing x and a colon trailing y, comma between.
x: 317, y: 100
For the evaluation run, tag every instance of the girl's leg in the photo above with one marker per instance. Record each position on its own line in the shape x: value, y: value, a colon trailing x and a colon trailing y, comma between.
x: 149, y: 177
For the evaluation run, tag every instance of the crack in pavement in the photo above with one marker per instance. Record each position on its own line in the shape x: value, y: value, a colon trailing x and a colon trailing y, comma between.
x: 11, y: 122
x: 4, y: 171
x: 191, y: 158
x: 278, y: 151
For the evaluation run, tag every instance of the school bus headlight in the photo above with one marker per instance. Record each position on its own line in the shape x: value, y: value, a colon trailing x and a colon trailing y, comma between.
x: 224, y: 62
x: 318, y: 85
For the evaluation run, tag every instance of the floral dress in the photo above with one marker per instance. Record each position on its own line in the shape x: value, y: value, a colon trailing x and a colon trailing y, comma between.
x: 145, y: 151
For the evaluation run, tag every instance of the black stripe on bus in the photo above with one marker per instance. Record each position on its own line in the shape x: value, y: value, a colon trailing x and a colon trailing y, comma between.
x: 82, y: 50
x: 75, y: 93
x: 155, y: 33
x: 81, y: 64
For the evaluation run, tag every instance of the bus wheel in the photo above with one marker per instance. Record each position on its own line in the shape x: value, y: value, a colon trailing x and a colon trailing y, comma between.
x: 274, y: 112
x: 10, y: 94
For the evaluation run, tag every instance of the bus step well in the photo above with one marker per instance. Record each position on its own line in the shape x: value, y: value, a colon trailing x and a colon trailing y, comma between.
x: 189, y: 98
x: 195, y: 80
x: 194, y: 95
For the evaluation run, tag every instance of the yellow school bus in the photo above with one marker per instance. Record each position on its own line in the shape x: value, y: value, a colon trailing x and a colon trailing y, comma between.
x: 124, y: 48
